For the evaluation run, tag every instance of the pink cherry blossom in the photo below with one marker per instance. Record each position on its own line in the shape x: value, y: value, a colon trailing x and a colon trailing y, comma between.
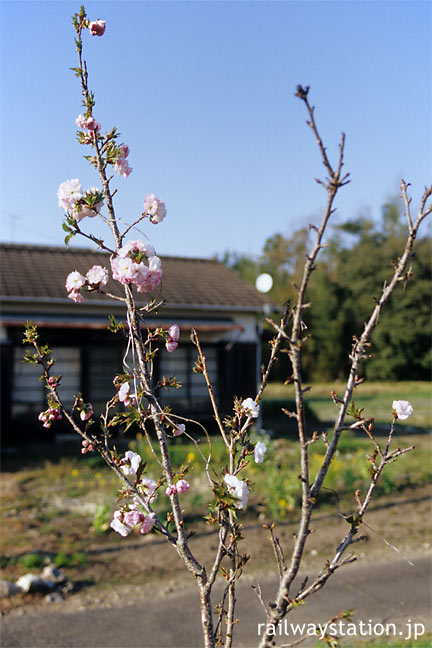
x: 130, y: 267
x: 148, y: 523
x: 93, y: 125
x: 76, y: 296
x: 83, y: 211
x: 81, y: 121
x: 118, y: 525
x: 150, y: 487
x: 125, y: 397
x: 88, y: 123
x: 97, y: 276
x: 123, y: 151
x: 69, y: 193
x: 182, y: 486
x: 171, y: 490
x: 132, y: 517
x: 74, y: 281
x: 122, y: 167
x: 97, y: 27
x: 155, y: 208
x: 135, y: 247
x: 124, y: 269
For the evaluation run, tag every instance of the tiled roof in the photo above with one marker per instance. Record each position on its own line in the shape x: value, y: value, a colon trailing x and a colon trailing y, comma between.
x: 31, y: 271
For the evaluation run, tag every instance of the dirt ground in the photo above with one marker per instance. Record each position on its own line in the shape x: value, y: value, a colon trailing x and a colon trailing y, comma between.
x: 397, y: 527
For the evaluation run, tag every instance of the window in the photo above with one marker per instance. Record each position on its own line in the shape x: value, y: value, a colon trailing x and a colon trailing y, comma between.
x: 193, y: 394
x: 29, y: 393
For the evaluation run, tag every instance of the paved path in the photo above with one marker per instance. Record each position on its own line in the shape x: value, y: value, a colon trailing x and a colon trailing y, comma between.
x: 391, y: 593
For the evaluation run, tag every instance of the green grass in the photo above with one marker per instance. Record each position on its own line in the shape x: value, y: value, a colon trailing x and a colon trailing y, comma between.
x: 58, y: 506
x: 375, y: 398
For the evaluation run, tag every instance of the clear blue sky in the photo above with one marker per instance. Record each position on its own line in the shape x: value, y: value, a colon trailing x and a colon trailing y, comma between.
x: 203, y: 93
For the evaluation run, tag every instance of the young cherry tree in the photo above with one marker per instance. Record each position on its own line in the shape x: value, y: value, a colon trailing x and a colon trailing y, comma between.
x: 137, y: 268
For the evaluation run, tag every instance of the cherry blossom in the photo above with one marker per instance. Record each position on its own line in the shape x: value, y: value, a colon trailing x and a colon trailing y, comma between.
x: 74, y: 281
x: 123, y: 151
x: 129, y: 266
x: 122, y: 167
x: 238, y: 489
x: 69, y: 193
x: 76, y: 296
x: 97, y: 27
x: 134, y: 248
x: 148, y: 522
x: 154, y: 208
x: 250, y: 408
x: 81, y: 121
x: 124, y: 521
x: 124, y: 270
x: 403, y: 409
x: 97, y: 276
x: 118, y: 525
x: 125, y: 397
x: 130, y: 463
x: 88, y: 123
x: 259, y: 452
x: 150, y: 487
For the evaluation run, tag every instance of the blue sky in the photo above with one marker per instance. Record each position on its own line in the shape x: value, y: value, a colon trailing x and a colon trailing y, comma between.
x: 203, y: 93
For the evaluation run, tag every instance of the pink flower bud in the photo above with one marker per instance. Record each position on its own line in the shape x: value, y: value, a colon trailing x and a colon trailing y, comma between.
x: 171, y: 345
x: 171, y: 490
x: 180, y: 429
x: 182, y: 486
x: 86, y: 412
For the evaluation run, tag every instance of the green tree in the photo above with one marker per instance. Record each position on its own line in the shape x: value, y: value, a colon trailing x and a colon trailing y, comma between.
x: 350, y: 274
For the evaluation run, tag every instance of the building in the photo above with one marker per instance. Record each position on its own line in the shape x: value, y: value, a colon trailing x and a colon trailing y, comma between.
x: 204, y: 294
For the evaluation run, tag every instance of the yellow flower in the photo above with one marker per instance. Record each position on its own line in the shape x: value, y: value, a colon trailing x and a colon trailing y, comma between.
x: 139, y: 436
x: 98, y: 475
x: 74, y: 472
x: 282, y: 503
x: 190, y: 457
